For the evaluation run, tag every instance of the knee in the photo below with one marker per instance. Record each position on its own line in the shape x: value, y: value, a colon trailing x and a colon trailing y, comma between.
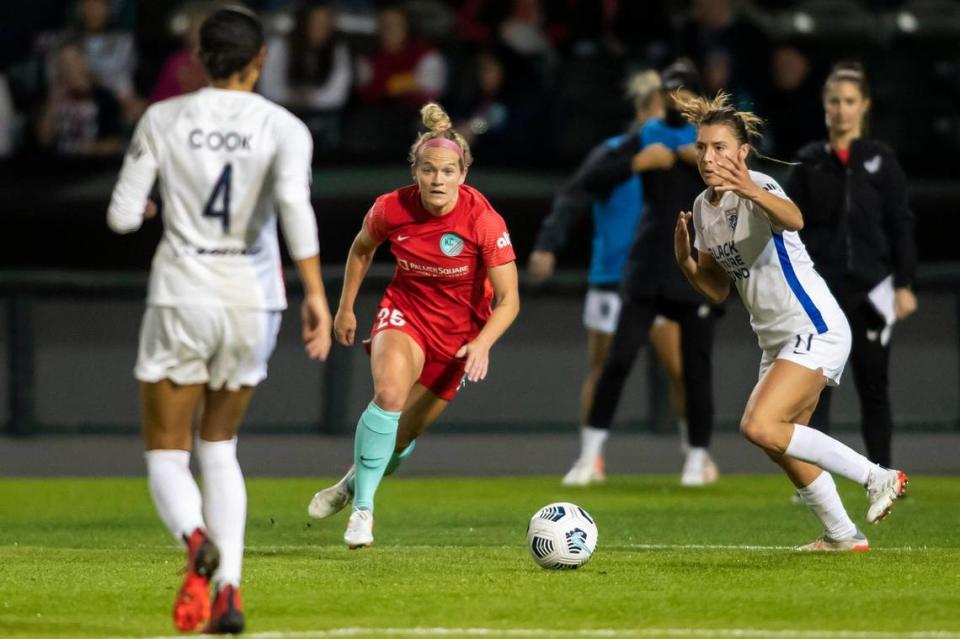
x: 390, y: 396
x: 757, y: 430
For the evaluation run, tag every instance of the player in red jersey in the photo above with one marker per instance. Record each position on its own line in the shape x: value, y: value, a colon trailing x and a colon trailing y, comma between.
x: 453, y: 295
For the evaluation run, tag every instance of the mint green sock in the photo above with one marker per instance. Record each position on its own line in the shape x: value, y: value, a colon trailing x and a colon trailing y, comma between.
x: 372, y: 447
x: 398, y: 458
x: 395, y: 460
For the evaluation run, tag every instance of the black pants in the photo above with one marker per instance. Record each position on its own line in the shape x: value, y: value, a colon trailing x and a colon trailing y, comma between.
x: 870, y: 362
x: 696, y: 343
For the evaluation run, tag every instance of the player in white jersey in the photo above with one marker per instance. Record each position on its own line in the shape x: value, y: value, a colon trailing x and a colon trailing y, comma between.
x: 746, y: 232
x: 229, y: 162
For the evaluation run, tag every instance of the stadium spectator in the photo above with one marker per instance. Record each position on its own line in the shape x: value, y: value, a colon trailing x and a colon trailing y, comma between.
x: 79, y: 117
x: 310, y: 69
x: 726, y: 46
x: 229, y: 164
x: 859, y: 231
x: 434, y: 328
x: 502, y: 110
x: 793, y: 105
x: 614, y: 222
x: 111, y: 52
x: 746, y: 231
x: 404, y: 71
x: 651, y: 285
x: 182, y: 71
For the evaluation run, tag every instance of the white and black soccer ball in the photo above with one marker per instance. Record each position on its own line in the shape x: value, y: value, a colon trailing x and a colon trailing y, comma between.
x: 561, y: 536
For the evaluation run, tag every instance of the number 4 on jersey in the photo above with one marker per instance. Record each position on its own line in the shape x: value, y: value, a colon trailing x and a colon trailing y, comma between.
x: 218, y: 204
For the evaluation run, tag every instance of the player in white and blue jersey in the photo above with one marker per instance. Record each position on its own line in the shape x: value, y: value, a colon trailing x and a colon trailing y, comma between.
x: 746, y: 233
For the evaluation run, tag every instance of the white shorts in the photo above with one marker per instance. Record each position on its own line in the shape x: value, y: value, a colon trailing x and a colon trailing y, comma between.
x: 219, y: 347
x: 826, y: 351
x: 601, y: 310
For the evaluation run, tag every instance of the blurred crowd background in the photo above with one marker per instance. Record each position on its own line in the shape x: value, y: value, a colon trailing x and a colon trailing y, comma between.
x: 531, y: 82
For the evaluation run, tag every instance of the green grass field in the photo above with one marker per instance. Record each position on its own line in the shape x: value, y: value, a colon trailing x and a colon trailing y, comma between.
x: 89, y: 558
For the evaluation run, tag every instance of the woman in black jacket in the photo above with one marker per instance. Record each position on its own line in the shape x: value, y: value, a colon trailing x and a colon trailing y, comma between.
x: 859, y: 231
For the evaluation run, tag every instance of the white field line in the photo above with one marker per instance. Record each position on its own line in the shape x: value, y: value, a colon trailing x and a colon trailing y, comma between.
x: 613, y: 633
x: 748, y: 547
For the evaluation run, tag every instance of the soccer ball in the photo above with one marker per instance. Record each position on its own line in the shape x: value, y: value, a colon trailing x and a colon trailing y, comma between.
x: 561, y: 536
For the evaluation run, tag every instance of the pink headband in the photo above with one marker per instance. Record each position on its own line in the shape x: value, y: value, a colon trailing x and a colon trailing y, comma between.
x: 442, y: 143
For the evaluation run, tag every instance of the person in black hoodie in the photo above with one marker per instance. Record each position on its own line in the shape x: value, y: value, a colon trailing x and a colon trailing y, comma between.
x: 859, y: 232
x: 652, y: 285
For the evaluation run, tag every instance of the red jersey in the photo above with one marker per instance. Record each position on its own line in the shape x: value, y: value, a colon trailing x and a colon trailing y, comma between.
x: 441, y: 284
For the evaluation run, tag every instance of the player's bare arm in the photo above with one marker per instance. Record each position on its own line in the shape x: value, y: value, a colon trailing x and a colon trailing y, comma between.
x: 358, y: 263
x: 506, y: 307
x: 705, y: 274
x: 314, y: 312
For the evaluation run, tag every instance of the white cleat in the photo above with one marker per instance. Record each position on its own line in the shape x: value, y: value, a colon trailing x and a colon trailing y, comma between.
x: 332, y: 500
x: 699, y: 469
x: 884, y: 487
x: 359, y: 532
x: 857, y: 543
x: 584, y: 473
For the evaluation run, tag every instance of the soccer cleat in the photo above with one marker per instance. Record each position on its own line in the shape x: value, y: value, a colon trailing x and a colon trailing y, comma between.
x: 600, y: 469
x: 192, y: 605
x: 857, y: 543
x: 227, y: 614
x: 884, y: 487
x: 584, y: 473
x: 332, y: 500
x: 699, y: 469
x: 359, y: 533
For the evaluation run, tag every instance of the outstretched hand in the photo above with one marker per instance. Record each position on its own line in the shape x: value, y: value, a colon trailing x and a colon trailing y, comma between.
x: 477, y: 353
x: 315, y: 316
x: 345, y: 326
x: 735, y: 175
x: 681, y: 238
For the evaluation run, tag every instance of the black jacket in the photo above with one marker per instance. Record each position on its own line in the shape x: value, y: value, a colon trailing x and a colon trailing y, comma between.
x: 651, y: 269
x: 858, y: 226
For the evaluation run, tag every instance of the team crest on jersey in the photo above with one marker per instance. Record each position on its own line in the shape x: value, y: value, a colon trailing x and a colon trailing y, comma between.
x: 731, y: 218
x: 451, y: 244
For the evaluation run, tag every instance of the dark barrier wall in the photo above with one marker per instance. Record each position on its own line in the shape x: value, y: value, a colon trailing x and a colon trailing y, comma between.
x: 84, y: 350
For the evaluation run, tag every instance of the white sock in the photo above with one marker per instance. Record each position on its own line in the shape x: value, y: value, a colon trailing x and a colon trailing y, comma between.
x: 225, y: 505
x: 684, y: 435
x: 823, y: 499
x: 591, y: 442
x: 175, y: 493
x: 812, y: 446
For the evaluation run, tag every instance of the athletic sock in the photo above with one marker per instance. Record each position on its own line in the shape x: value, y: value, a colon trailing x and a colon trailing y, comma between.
x: 822, y: 498
x: 398, y: 458
x: 175, y: 493
x: 225, y: 505
x: 372, y: 448
x: 591, y: 442
x: 395, y: 460
x: 684, y: 432
x: 812, y: 446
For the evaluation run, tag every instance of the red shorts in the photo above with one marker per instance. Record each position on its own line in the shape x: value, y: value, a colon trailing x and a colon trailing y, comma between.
x: 442, y: 375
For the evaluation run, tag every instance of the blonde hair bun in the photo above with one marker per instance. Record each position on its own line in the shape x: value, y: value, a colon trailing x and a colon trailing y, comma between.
x: 434, y: 117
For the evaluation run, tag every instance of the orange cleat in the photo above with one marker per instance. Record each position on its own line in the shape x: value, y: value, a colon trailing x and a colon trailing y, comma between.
x: 191, y: 609
x: 227, y: 616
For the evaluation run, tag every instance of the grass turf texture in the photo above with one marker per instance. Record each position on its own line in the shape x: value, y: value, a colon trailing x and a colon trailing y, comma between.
x: 89, y: 558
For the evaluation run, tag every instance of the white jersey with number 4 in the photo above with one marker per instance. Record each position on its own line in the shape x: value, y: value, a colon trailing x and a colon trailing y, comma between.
x: 771, y: 269
x: 228, y: 163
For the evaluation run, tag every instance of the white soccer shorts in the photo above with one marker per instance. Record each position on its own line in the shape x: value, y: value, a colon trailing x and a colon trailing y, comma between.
x: 219, y: 347
x: 601, y: 310
x: 827, y: 351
